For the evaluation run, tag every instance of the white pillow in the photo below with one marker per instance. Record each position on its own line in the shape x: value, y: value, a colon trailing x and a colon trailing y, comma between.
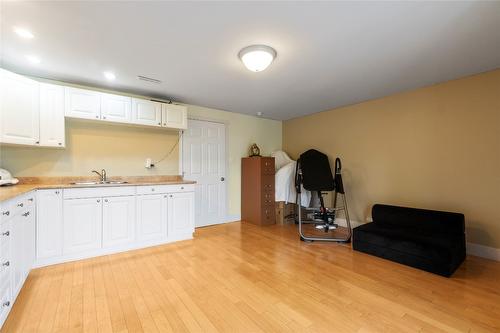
x: 280, y: 159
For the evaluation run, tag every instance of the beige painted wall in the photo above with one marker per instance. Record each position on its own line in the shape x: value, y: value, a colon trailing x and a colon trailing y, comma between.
x: 437, y: 147
x: 122, y: 149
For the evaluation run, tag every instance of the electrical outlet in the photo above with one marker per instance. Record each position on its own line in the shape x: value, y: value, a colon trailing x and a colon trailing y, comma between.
x: 149, y: 163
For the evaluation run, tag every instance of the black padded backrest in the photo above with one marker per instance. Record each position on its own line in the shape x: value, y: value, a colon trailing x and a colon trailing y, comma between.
x: 316, y: 172
x: 422, y: 219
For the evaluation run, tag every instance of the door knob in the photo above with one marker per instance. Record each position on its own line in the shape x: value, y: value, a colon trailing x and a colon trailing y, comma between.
x: 221, y: 179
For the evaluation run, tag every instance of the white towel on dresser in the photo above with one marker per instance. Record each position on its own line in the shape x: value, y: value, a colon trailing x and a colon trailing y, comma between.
x: 285, y: 186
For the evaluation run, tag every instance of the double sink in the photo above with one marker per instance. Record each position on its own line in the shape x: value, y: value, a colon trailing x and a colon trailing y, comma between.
x: 104, y: 180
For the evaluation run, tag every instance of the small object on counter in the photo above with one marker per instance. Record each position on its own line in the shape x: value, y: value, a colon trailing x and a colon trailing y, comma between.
x: 254, y: 150
x: 6, y: 178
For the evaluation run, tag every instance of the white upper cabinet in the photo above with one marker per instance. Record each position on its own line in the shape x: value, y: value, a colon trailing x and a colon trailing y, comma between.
x: 82, y: 103
x: 146, y: 112
x: 19, y: 109
x: 116, y: 108
x: 174, y: 116
x: 52, y: 115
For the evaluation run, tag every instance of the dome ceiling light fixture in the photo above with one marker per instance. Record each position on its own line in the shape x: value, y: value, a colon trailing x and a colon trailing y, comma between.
x: 257, y: 57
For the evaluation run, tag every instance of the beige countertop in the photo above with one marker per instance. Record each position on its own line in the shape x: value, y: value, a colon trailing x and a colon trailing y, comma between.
x: 28, y: 184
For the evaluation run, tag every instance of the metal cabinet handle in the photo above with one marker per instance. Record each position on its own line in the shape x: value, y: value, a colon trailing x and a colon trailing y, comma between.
x: 60, y: 143
x: 20, y: 205
x: 38, y: 142
x: 30, y: 199
x: 97, y: 117
x: 6, y: 213
x: 171, y: 195
x: 57, y: 192
x: 105, y: 200
x: 6, y: 303
x: 182, y: 187
x: 26, y: 214
x: 6, y: 234
x: 98, y: 200
x: 159, y: 124
x: 104, y: 117
x: 222, y: 179
x: 7, y: 263
x: 152, y: 190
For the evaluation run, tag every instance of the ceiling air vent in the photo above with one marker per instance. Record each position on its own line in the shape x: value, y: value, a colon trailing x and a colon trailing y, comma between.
x: 148, y: 79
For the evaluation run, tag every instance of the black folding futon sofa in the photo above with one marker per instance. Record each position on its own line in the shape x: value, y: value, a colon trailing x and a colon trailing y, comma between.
x: 430, y: 240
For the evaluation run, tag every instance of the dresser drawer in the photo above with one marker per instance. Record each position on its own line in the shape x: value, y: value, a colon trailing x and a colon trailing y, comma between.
x: 267, y: 165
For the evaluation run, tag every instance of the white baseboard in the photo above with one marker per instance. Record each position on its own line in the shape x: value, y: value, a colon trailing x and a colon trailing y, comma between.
x: 483, y: 251
x: 343, y: 223
x: 232, y: 218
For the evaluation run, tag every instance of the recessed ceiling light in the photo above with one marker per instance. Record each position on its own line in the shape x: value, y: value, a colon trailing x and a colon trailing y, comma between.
x: 257, y: 57
x: 24, y: 33
x: 33, y: 59
x: 109, y: 75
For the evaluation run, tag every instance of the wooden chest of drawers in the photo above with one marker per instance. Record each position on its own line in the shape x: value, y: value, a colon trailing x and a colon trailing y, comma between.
x: 257, y: 190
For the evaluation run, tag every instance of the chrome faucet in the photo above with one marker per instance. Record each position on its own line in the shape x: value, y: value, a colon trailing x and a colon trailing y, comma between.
x: 102, y: 174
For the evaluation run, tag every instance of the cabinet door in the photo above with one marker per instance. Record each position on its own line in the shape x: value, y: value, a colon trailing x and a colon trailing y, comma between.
x: 116, y: 108
x: 181, y: 214
x: 82, y: 225
x: 118, y: 220
x: 49, y: 237
x: 146, y: 112
x: 152, y: 217
x: 51, y: 115
x: 82, y: 103
x: 29, y: 240
x: 174, y: 116
x: 19, y: 109
x: 17, y: 262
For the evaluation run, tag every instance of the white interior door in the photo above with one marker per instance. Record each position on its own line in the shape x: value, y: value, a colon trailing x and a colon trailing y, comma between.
x: 204, y: 161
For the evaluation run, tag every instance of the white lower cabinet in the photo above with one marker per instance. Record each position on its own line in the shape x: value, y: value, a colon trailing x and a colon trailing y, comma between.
x: 152, y: 217
x: 180, y: 214
x: 84, y: 222
x: 17, y: 248
x: 118, y: 223
x: 82, y: 225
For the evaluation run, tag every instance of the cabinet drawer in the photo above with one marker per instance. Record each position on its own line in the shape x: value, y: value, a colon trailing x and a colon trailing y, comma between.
x: 160, y: 189
x: 5, y: 258
x: 98, y: 192
x: 4, y: 271
x: 5, y: 300
x: 29, y: 200
x: 6, y: 212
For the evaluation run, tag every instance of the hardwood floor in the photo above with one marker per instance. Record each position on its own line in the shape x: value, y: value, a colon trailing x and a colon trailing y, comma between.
x: 243, y: 278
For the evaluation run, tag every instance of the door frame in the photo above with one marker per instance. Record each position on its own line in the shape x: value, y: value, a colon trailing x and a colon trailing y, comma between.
x: 225, y: 218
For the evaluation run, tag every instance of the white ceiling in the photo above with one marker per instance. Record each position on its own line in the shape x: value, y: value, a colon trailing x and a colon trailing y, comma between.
x: 330, y: 54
